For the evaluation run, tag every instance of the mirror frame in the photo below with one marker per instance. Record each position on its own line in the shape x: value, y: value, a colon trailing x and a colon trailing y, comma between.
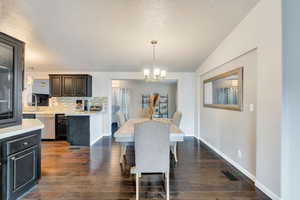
x: 239, y: 107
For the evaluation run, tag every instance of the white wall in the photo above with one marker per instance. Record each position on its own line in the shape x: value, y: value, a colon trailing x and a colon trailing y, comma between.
x: 233, y: 131
x: 137, y: 88
x: 261, y: 29
x: 291, y: 116
x: 102, y: 88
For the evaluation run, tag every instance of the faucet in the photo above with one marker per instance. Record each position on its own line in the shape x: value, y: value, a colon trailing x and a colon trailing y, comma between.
x: 36, y: 108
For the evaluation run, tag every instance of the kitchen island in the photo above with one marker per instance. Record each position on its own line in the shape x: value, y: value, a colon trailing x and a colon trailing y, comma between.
x: 84, y: 128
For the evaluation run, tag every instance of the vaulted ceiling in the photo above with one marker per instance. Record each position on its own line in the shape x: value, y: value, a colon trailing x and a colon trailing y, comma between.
x: 114, y: 35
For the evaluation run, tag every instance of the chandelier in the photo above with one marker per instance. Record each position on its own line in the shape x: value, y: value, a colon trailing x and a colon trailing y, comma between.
x: 154, y: 74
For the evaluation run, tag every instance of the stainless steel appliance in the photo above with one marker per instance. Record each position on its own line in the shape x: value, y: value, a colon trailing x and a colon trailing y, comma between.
x: 61, y: 128
x: 41, y: 99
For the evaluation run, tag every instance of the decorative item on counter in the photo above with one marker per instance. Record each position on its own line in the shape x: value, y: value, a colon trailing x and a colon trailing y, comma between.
x: 79, y: 105
x: 86, y: 105
x: 96, y: 108
x: 153, y: 101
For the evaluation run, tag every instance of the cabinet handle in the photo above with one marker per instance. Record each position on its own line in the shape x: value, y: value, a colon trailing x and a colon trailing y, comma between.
x: 25, y: 143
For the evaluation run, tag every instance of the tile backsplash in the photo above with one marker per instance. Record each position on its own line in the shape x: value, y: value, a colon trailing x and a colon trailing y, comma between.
x: 69, y: 103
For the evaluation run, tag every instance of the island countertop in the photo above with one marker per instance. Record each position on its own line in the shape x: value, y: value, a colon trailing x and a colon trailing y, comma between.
x: 27, y: 126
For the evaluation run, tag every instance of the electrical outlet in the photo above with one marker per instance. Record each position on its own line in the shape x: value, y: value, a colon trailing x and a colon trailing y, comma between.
x: 240, y: 155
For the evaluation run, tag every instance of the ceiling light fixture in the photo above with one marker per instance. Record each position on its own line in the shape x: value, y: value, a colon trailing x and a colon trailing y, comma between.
x: 154, y: 74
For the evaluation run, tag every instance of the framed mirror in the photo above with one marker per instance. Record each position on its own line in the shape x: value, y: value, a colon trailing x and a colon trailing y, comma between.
x: 224, y: 91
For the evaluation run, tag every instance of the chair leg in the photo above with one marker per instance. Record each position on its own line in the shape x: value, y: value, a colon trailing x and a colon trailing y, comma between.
x: 137, y: 185
x: 123, y: 153
x: 167, y: 182
x: 174, y: 151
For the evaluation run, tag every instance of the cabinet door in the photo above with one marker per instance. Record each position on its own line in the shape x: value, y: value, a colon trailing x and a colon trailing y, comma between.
x: 48, y: 132
x: 67, y: 86
x: 80, y: 86
x: 10, y: 80
x: 22, y: 65
x: 23, y: 171
x: 55, y: 86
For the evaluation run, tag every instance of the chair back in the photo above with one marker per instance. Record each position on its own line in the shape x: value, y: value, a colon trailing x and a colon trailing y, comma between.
x: 152, y: 147
x: 121, y: 119
x: 177, y: 118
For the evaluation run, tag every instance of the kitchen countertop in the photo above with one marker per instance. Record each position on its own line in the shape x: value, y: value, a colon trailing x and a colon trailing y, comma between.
x: 69, y: 113
x: 85, y: 113
x: 27, y: 126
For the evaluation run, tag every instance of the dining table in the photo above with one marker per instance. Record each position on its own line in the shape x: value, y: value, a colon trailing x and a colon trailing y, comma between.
x: 125, y: 135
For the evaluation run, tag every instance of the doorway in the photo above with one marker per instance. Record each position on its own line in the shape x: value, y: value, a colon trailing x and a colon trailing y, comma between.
x: 131, y: 96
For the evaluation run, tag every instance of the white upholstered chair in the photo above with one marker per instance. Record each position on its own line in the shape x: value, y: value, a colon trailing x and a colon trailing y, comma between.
x: 152, y: 151
x: 176, y: 120
x: 121, y: 121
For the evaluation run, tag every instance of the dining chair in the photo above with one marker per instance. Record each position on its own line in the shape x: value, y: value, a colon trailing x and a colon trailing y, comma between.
x: 121, y: 121
x: 176, y: 120
x: 152, y: 151
x: 120, y: 118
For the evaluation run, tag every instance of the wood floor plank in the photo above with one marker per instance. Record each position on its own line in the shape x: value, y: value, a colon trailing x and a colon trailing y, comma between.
x: 95, y: 174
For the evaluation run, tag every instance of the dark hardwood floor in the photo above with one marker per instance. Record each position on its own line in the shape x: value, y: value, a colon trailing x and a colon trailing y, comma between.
x: 85, y: 173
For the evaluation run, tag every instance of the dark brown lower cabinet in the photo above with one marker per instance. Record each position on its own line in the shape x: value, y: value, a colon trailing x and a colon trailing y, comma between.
x: 21, y: 164
x: 22, y: 171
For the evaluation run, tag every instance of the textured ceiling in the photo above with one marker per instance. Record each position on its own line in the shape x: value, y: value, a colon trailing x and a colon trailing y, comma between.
x: 114, y: 35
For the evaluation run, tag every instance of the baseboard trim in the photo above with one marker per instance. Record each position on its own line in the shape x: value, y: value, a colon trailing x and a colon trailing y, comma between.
x: 259, y: 185
x: 267, y: 191
x: 232, y: 162
x: 96, y: 140
x: 107, y: 134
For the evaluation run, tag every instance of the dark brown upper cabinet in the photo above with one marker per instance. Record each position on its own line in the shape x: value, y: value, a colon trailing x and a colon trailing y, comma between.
x: 55, y: 86
x: 80, y: 84
x: 70, y: 85
x: 11, y: 80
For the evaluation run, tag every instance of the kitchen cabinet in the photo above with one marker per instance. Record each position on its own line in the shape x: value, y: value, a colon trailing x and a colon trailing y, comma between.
x: 48, y: 132
x: 70, y: 85
x: 55, y: 86
x: 17, y: 176
x: 29, y: 116
x: 80, y: 84
x: 21, y: 164
x: 78, y: 130
x: 11, y: 80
